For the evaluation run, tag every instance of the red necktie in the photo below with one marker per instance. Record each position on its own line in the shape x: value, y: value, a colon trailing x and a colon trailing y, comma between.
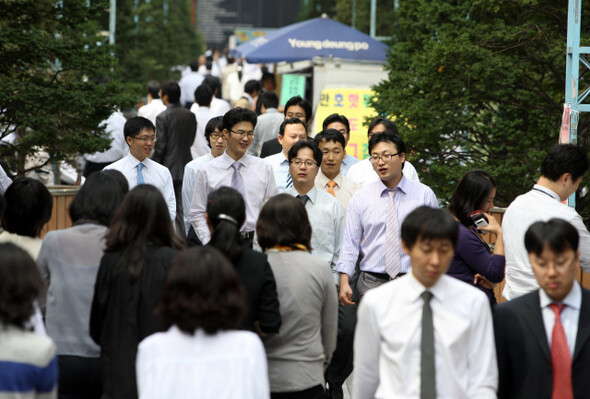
x: 561, y: 359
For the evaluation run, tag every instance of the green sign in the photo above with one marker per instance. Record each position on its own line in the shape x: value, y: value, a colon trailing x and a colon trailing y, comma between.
x: 293, y: 85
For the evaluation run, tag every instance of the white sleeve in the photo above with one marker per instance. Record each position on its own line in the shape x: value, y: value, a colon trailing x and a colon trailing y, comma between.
x: 140, y: 370
x: 482, y: 368
x: 5, y: 181
x: 367, y: 344
x: 584, y: 245
x: 338, y: 232
x: 188, y: 186
x: 199, y: 207
x: 169, y: 195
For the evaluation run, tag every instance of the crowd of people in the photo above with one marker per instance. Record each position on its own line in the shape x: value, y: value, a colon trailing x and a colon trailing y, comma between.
x: 225, y: 254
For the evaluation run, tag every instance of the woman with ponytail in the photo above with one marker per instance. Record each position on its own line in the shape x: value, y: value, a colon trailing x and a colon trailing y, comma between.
x: 226, y: 213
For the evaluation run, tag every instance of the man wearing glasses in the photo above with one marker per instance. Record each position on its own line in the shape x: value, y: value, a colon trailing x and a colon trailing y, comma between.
x: 324, y: 211
x: 138, y: 168
x: 374, y: 217
x: 250, y: 176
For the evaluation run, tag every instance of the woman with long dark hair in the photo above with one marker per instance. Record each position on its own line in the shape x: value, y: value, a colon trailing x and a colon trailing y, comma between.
x: 298, y: 354
x: 201, y: 355
x: 140, y: 246
x: 474, y: 262
x: 226, y: 213
x: 69, y: 261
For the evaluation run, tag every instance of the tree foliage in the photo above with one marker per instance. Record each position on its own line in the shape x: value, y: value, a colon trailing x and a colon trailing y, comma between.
x: 479, y: 84
x: 55, y: 79
x: 153, y: 36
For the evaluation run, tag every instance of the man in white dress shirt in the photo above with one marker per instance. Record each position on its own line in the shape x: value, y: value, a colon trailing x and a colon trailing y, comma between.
x: 291, y: 131
x: 425, y: 335
x: 140, y: 135
x: 333, y: 146
x: 118, y: 149
x: 5, y: 181
x: 154, y: 105
x: 363, y: 172
x: 189, y: 83
x: 203, y: 95
x: 325, y: 212
x: 561, y: 173
x: 250, y: 176
x: 216, y: 141
x: 218, y: 106
x: 340, y: 123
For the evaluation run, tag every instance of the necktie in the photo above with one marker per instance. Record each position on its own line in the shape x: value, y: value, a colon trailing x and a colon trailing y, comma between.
x: 427, y: 370
x: 140, y: 179
x: 331, y: 185
x: 560, y: 358
x: 392, y: 240
x: 289, y: 180
x: 303, y: 198
x: 237, y: 181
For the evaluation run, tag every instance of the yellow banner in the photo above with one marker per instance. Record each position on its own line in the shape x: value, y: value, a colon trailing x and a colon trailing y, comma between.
x: 354, y: 104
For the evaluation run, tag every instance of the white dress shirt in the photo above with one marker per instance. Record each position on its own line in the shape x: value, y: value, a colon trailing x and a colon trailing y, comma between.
x: 153, y: 173
x: 114, y: 128
x: 267, y: 128
x: 5, y: 181
x: 219, y: 107
x: 569, y: 315
x: 200, y: 146
x: 280, y: 167
x: 365, y: 223
x: 327, y: 226
x: 225, y: 365
x: 388, y: 334
x: 188, y: 84
x: 539, y: 204
x: 344, y: 189
x: 152, y: 110
x: 188, y: 184
x: 259, y: 186
x: 363, y: 172
x: 347, y: 162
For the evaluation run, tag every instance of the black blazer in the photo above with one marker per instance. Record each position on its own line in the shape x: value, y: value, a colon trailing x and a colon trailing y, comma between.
x: 524, y: 359
x: 176, y: 128
x: 270, y: 147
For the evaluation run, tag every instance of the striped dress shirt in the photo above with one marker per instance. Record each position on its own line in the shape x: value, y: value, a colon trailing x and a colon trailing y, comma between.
x: 365, y: 223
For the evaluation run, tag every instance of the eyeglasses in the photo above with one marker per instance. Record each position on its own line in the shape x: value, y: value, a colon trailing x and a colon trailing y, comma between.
x: 243, y: 133
x: 153, y: 139
x: 384, y: 157
x: 217, y: 136
x: 298, y: 115
x: 308, y: 162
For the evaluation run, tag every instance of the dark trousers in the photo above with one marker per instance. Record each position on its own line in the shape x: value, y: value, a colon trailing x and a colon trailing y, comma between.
x: 316, y: 392
x: 79, y: 377
x: 179, y: 211
x: 341, y: 365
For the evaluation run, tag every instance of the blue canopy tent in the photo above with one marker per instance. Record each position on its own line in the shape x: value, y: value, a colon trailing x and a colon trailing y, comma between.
x: 318, y: 37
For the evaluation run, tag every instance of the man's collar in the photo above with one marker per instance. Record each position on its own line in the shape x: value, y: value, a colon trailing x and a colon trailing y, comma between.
x: 134, y: 161
x: 323, y: 179
x: 545, y: 190
x: 311, y: 193
x: 573, y: 299
x: 438, y: 289
x: 402, y: 186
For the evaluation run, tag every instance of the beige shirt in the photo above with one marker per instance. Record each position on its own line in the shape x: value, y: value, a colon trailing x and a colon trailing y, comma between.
x: 344, y: 189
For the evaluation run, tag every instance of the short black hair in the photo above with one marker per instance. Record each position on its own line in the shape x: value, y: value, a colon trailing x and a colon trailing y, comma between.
x: 269, y: 99
x: 213, y: 83
x: 202, y: 291
x: 97, y: 200
x: 194, y: 65
x: 336, y: 118
x: 426, y: 223
x: 20, y: 285
x: 251, y: 86
x: 267, y: 76
x: 283, y: 221
x: 28, y: 207
x: 317, y: 153
x: 237, y: 115
x: 388, y: 124
x: 213, y: 123
x: 153, y: 88
x: 330, y: 135
x: 135, y: 125
x: 291, y: 121
x: 203, y: 95
x: 172, y: 90
x: 387, y: 137
x: 558, y: 234
x: 565, y: 158
x: 473, y: 190
x: 303, y: 103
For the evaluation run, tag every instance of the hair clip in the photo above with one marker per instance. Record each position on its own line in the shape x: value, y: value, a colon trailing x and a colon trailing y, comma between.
x: 228, y: 218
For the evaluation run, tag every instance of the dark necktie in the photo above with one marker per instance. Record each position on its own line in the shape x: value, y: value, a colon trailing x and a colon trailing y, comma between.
x: 427, y: 370
x: 303, y: 198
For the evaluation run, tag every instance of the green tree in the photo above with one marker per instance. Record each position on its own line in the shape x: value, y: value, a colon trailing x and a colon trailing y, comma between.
x: 153, y: 36
x: 55, y: 79
x: 479, y: 84
x: 357, y: 14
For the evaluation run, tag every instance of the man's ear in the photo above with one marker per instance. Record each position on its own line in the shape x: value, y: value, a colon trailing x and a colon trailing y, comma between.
x: 565, y: 178
x: 128, y: 139
x: 405, y: 247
